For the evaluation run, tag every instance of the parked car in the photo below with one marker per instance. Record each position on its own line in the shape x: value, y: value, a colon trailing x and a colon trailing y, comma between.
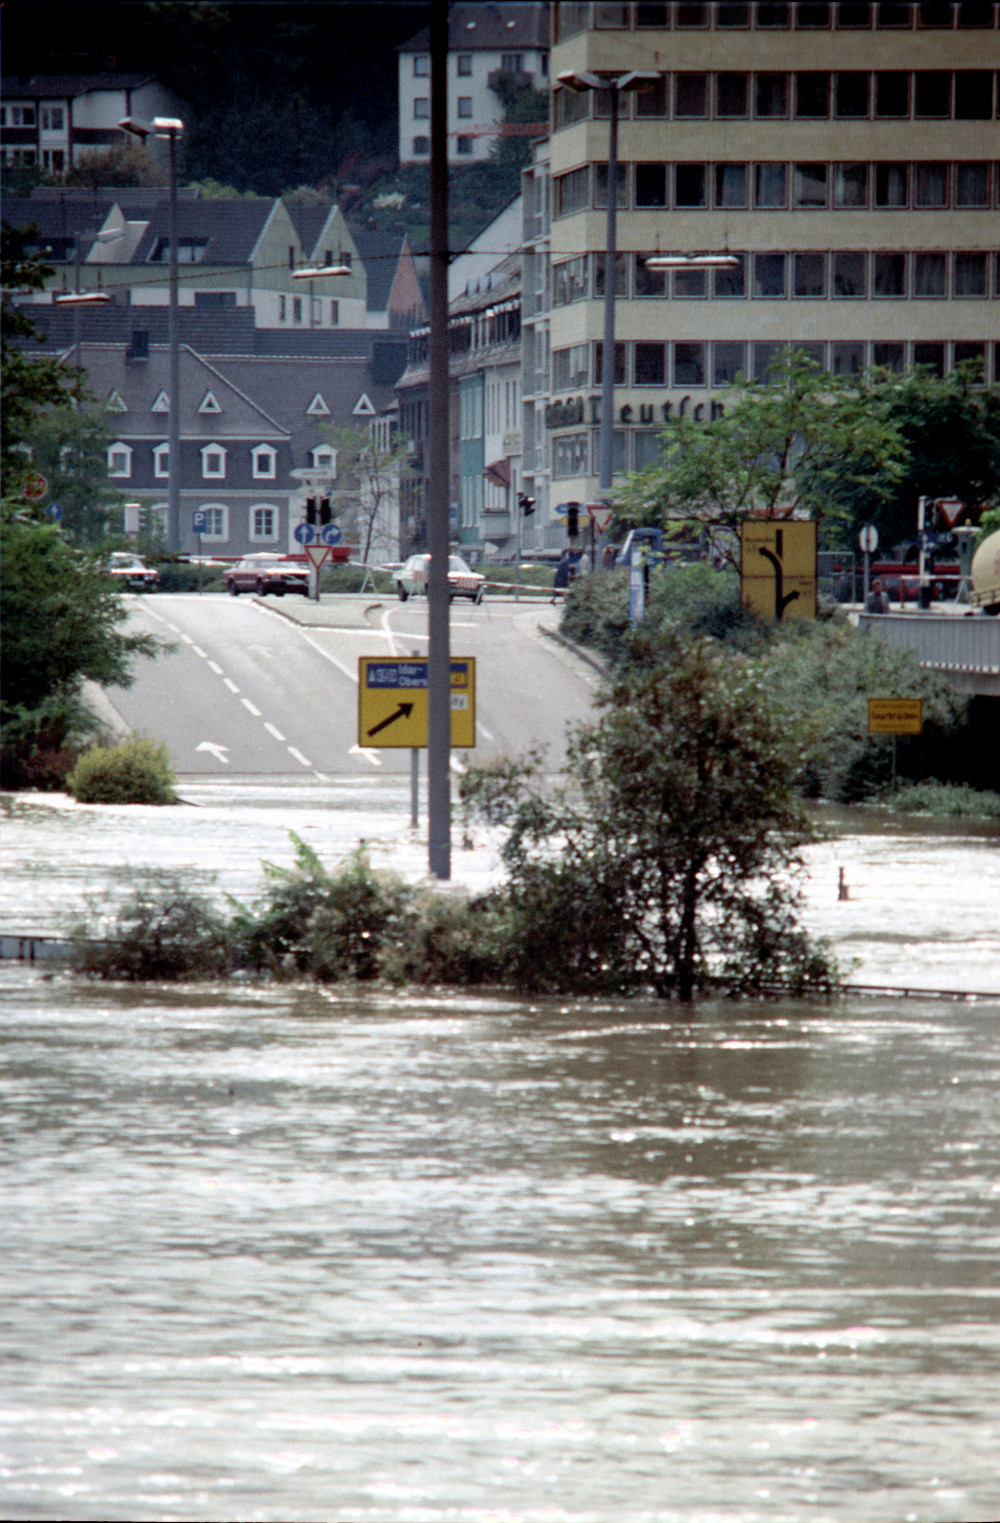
x: 267, y: 572
x: 131, y: 570
x: 463, y: 582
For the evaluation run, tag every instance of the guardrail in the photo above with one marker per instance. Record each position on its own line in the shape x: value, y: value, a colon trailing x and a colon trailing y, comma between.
x: 965, y: 647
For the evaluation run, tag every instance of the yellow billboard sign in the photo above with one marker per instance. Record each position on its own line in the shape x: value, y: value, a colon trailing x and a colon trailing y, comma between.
x: 778, y: 568
x: 392, y: 702
x: 895, y: 716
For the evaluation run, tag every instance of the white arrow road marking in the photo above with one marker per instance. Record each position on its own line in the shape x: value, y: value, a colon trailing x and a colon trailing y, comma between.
x: 368, y: 754
x: 219, y: 752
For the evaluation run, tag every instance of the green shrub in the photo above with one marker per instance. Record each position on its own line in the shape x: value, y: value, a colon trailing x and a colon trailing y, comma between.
x: 695, y: 598
x: 450, y: 939
x: 944, y: 801
x: 181, y: 576
x: 160, y: 931
x: 136, y: 771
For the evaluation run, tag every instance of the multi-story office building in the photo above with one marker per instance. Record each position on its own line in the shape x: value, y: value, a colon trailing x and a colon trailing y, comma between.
x: 847, y: 154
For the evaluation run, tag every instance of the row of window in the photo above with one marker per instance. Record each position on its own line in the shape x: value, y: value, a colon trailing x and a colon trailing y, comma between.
x: 422, y: 107
x: 813, y: 274
x: 510, y: 63
x: 293, y: 308
x: 263, y: 520
x: 263, y: 461
x: 51, y: 118
x: 807, y: 15
x: 660, y: 362
x: 928, y: 185
x: 968, y: 95
x: 463, y: 146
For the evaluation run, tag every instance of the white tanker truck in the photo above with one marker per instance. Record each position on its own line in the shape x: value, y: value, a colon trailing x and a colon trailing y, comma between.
x: 985, y: 592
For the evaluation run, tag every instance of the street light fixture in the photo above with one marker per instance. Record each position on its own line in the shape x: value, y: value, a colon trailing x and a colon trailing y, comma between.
x: 325, y: 269
x: 691, y: 261
x: 171, y: 128
x: 578, y: 80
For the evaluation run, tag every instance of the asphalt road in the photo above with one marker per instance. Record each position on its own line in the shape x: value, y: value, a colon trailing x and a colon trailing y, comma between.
x: 268, y: 688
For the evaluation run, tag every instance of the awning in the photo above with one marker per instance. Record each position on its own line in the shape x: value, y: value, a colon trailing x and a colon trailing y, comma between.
x: 498, y: 472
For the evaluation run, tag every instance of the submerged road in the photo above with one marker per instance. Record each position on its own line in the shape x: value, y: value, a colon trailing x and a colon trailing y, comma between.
x: 269, y: 688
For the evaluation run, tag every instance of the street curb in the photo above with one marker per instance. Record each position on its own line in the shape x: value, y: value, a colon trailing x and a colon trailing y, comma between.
x: 339, y: 617
x: 577, y: 650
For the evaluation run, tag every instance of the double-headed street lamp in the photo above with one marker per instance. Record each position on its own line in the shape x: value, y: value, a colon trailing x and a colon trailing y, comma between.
x: 171, y: 128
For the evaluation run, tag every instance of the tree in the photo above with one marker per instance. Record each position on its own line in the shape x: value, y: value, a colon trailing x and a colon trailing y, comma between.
x: 774, y: 451
x: 30, y: 383
x: 69, y: 446
x: 668, y: 858
x: 369, y: 495
x: 122, y: 164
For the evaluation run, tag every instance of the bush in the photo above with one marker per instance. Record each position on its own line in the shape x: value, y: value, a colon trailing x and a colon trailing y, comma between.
x: 181, y: 576
x: 137, y: 771
x: 944, y: 801
x: 450, y: 940
x: 161, y: 931
x: 696, y: 598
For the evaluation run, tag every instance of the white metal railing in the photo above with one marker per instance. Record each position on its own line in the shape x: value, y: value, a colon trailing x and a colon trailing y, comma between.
x: 947, y: 642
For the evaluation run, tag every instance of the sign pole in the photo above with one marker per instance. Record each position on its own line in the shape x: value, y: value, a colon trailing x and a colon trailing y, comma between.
x: 414, y: 788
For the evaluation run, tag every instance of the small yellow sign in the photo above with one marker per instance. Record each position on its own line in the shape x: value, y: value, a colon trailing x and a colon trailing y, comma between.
x: 392, y: 703
x: 895, y: 716
x: 778, y: 568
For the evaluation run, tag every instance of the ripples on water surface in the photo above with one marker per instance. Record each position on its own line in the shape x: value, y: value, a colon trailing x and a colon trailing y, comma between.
x: 277, y: 1255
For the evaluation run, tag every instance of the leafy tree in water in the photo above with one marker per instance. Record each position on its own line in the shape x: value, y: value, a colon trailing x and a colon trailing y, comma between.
x: 668, y: 859
x: 772, y: 453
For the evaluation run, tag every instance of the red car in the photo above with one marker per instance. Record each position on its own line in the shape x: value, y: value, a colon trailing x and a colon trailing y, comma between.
x: 267, y: 572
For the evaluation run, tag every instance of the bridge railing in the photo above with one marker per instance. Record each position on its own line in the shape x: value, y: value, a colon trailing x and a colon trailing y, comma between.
x: 947, y: 642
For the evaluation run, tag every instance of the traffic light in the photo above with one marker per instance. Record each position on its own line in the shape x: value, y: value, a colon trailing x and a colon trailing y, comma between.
x: 526, y: 504
x: 324, y: 511
x: 573, y: 519
x: 310, y: 510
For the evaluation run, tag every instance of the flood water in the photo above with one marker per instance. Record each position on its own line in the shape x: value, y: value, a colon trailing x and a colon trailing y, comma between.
x: 391, y: 1258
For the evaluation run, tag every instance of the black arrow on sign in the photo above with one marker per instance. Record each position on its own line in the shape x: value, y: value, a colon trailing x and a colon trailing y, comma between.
x: 403, y: 712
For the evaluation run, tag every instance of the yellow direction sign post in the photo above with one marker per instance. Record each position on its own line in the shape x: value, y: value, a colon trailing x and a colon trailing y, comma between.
x: 392, y: 702
x: 778, y: 568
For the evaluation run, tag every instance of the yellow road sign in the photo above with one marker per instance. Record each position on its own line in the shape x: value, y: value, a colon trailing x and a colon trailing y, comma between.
x: 392, y: 702
x: 778, y: 568
x: 895, y: 716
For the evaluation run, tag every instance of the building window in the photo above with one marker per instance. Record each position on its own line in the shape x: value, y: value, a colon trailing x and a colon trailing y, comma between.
x: 324, y: 458
x: 463, y: 146
x: 422, y: 108
x: 810, y: 182
x: 973, y: 95
x: 648, y: 282
x: 930, y: 185
x: 569, y: 455
x: 690, y: 95
x: 932, y: 95
x: 732, y: 95
x: 972, y: 350
x: 120, y: 461
x: 570, y: 368
x: 161, y: 462
x: 970, y: 274
x: 689, y: 364
x: 265, y: 462
x: 53, y: 118
x: 972, y: 185
x: 769, y: 275
x: 296, y: 309
x: 651, y: 100
x: 572, y: 192
x: 732, y: 15
x: 730, y: 185
x: 930, y: 356
x: 216, y: 521
x: 601, y: 186
x: 809, y: 275
x: 691, y: 16
x: 772, y: 16
x: 465, y: 105
x: 690, y: 283
x: 889, y: 275
x: 728, y: 284
x: 771, y: 95
x: 765, y: 355
x: 851, y: 96
x: 812, y: 16
x: 512, y: 63
x: 812, y: 95
x: 891, y: 186
x: 847, y: 358
x: 650, y: 364
x: 892, y: 93
x: 464, y: 65
x: 929, y: 275
x: 620, y: 377
x: 770, y: 185
x: 421, y: 65
x: 650, y: 185
x: 729, y: 363
x: 282, y: 309
x: 850, y: 275
x: 570, y: 281
x: 850, y: 185
x: 689, y: 185
x: 213, y: 462
x: 621, y: 274
x: 888, y: 357
x: 334, y: 313
x: 263, y: 521
x: 421, y: 145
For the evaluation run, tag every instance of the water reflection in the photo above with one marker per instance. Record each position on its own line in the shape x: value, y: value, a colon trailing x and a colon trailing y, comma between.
x: 281, y: 1253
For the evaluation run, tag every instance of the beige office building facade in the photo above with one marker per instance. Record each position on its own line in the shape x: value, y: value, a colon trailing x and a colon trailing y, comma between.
x: 847, y: 154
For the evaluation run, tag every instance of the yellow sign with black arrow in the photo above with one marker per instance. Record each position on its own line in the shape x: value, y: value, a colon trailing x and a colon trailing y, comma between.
x: 778, y: 568
x: 392, y: 702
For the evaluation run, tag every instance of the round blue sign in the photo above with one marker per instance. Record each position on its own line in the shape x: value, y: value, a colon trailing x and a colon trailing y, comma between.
x: 54, y: 511
x: 304, y: 534
x: 331, y: 534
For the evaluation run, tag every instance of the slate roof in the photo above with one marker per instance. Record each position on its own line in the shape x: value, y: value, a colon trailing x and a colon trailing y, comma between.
x: 232, y: 228
x: 242, y: 417
x: 211, y: 329
x: 380, y: 254
x: 309, y: 222
x: 63, y: 86
x: 286, y: 389
x: 504, y: 28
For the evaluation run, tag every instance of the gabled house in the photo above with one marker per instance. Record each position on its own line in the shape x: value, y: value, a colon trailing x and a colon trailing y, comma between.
x: 52, y: 119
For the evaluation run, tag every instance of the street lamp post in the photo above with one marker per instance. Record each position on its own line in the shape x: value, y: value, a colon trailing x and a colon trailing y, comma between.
x: 171, y: 128
x: 615, y: 84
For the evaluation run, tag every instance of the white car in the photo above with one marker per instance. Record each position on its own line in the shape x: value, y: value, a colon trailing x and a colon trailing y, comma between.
x: 463, y: 582
x: 131, y: 569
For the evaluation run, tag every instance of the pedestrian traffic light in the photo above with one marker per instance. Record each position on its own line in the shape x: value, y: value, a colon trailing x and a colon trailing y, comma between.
x: 573, y: 519
x: 324, y: 511
x: 310, y: 510
x: 526, y: 504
